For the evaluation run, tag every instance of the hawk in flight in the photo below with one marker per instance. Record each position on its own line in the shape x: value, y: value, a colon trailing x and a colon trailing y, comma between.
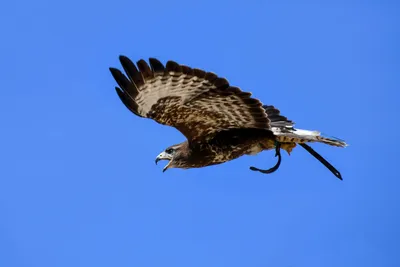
x: 220, y: 121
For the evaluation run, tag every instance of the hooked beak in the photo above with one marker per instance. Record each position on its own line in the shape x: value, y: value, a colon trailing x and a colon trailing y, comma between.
x: 164, y: 156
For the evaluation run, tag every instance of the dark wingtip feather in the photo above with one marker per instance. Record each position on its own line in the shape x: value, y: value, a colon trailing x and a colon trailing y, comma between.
x: 156, y: 65
x: 211, y: 77
x: 127, y: 101
x: 123, y: 58
x: 187, y: 70
x: 123, y: 82
x: 127, y: 63
x: 221, y: 83
x: 131, y: 70
x: 173, y: 66
x: 199, y: 73
x: 145, y: 69
x: 120, y: 78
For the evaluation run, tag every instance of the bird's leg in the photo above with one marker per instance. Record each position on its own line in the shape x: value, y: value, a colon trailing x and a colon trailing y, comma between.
x: 277, y: 154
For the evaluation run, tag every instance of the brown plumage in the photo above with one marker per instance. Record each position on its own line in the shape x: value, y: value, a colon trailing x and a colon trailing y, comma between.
x: 219, y: 121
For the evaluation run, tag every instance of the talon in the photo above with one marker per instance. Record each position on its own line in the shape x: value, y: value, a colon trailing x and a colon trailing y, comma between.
x: 274, y: 168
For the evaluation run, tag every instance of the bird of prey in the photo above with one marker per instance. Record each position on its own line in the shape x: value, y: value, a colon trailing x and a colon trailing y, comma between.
x: 220, y: 121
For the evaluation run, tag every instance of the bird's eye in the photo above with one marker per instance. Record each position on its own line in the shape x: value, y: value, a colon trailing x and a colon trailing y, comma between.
x: 169, y: 150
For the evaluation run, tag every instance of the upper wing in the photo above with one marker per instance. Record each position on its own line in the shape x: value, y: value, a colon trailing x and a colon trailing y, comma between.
x: 197, y: 103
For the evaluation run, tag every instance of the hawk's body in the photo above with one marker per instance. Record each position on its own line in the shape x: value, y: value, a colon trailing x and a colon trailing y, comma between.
x: 220, y: 122
x: 227, y: 146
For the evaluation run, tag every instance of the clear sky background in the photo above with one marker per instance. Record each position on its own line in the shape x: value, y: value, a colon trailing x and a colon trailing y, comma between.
x: 78, y: 183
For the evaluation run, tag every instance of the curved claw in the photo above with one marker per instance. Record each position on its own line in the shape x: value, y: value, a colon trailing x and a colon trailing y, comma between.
x: 271, y: 170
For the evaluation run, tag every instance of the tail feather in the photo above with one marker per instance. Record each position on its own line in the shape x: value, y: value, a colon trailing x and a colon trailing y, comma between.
x: 283, y: 128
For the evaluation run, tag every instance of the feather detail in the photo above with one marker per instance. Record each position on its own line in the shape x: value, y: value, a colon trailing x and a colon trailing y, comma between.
x: 196, y: 102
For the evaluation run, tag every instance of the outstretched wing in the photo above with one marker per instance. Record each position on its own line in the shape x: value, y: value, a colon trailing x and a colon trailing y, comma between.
x: 197, y: 103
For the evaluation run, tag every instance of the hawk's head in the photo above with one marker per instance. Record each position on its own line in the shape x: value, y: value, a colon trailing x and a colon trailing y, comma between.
x: 176, y: 154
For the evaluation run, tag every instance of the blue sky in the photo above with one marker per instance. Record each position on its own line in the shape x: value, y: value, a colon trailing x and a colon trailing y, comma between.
x: 78, y: 183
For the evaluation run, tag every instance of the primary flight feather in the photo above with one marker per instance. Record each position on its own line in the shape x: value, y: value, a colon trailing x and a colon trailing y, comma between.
x: 219, y: 121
